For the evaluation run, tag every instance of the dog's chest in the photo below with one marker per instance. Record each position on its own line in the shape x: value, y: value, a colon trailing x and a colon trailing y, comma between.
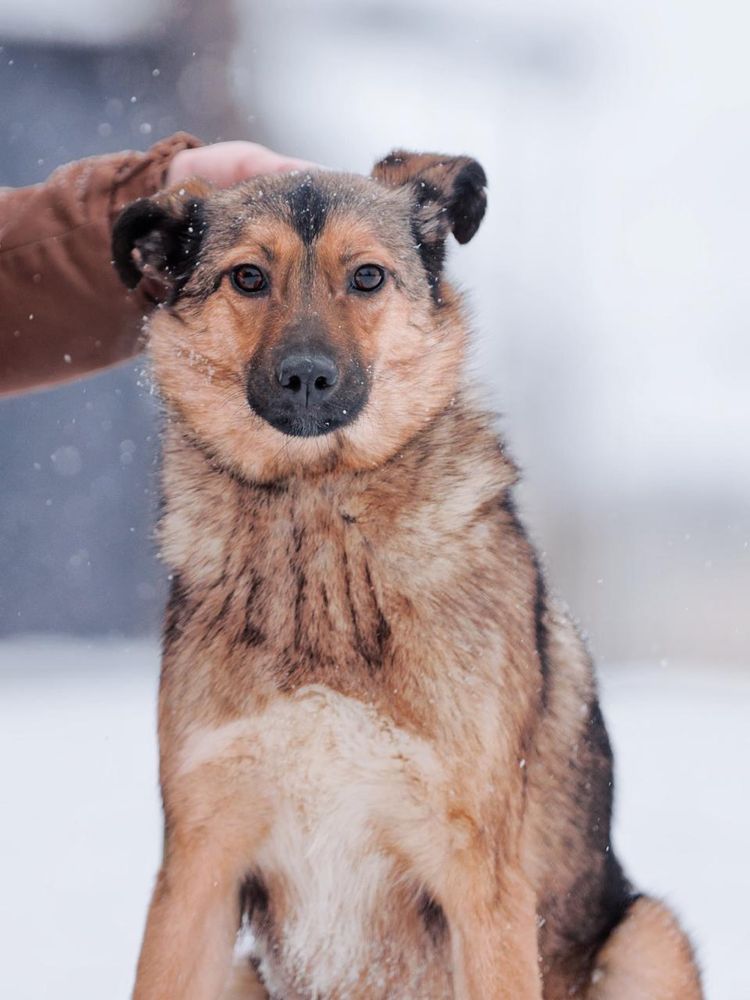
x: 302, y: 592
x: 289, y: 594
x: 341, y: 787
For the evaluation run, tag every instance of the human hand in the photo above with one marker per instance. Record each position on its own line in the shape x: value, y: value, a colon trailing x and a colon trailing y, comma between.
x: 227, y: 163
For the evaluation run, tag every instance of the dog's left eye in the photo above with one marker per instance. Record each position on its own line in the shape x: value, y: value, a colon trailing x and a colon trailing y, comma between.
x: 248, y: 279
x: 368, y: 277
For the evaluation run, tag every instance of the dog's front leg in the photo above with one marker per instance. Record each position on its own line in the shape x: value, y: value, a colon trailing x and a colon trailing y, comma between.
x: 493, y: 936
x: 191, y: 928
x: 216, y: 825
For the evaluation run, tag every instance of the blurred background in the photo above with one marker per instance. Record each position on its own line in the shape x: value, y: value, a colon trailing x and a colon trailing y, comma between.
x: 611, y: 301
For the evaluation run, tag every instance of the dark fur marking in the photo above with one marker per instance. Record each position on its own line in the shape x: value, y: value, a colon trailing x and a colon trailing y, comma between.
x: 382, y: 634
x: 179, y: 611
x: 432, y: 255
x: 434, y: 918
x: 599, y: 899
x: 360, y: 640
x: 382, y: 628
x: 254, y: 904
x: 423, y: 449
x: 348, y: 594
x: 222, y: 578
x: 370, y: 648
x: 251, y: 634
x: 541, y: 631
x: 594, y: 912
x: 274, y: 489
x: 599, y: 785
x: 299, y: 602
x: 308, y: 210
x: 218, y: 619
x: 253, y: 895
x: 324, y: 595
x: 298, y: 535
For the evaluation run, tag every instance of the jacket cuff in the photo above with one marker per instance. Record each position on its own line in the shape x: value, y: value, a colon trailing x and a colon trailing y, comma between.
x: 144, y: 174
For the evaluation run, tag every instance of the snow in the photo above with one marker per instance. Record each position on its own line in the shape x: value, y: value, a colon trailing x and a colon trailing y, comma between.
x: 80, y: 837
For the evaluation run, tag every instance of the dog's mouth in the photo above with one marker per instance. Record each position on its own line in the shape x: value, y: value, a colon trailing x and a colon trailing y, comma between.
x: 312, y: 423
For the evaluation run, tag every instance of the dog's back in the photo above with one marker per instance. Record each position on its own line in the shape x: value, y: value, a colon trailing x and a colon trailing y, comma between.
x: 380, y: 741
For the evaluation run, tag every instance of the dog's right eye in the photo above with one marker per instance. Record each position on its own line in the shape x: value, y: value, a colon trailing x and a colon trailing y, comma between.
x: 368, y: 278
x: 248, y: 279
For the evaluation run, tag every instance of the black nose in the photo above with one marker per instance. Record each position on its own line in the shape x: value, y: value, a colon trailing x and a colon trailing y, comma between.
x: 308, y: 378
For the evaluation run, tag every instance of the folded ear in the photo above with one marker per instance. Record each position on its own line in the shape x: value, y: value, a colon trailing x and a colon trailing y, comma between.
x: 158, y: 239
x: 449, y: 191
x: 448, y: 194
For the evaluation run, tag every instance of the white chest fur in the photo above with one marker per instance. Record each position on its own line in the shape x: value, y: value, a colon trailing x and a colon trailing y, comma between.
x: 342, y: 792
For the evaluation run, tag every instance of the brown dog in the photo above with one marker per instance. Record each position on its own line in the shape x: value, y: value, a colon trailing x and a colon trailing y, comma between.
x: 381, y: 747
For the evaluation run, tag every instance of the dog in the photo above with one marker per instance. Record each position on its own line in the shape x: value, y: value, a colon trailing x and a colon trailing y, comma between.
x: 381, y: 750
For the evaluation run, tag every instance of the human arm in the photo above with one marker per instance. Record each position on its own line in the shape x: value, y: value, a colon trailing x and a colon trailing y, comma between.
x: 63, y: 311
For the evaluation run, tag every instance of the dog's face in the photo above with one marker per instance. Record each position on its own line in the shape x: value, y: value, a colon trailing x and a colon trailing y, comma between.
x: 306, y: 323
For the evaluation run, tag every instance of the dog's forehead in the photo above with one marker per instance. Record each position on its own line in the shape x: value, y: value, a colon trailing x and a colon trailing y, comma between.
x: 309, y: 205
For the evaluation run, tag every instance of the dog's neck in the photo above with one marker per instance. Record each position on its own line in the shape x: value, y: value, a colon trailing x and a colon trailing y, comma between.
x: 454, y: 467
x: 333, y: 578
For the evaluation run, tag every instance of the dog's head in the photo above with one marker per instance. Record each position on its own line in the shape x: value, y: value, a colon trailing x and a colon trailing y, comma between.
x: 306, y: 320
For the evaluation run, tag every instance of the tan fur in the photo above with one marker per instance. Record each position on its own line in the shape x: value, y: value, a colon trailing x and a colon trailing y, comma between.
x: 371, y: 716
x: 244, y: 985
x: 646, y: 958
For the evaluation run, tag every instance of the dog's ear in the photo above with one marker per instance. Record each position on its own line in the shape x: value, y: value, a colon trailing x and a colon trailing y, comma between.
x: 157, y: 240
x: 448, y: 194
x: 449, y: 191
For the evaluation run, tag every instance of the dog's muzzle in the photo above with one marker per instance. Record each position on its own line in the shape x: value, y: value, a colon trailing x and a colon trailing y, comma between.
x: 305, y: 391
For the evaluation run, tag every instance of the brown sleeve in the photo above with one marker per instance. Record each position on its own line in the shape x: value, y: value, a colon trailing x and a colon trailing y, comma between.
x: 63, y: 311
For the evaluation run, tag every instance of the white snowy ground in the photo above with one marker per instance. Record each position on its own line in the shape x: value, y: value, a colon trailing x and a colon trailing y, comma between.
x: 79, y: 813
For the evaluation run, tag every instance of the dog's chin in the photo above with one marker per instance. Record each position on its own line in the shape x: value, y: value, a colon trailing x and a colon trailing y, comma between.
x: 314, y: 422
x: 306, y: 425
x: 257, y: 450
